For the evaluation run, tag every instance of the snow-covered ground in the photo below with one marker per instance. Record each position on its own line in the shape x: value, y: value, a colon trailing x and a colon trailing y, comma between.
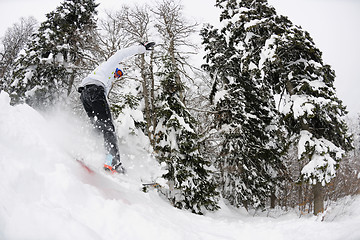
x: 45, y: 194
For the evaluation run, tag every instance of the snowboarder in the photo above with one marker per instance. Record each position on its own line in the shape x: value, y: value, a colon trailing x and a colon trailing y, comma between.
x: 94, y: 90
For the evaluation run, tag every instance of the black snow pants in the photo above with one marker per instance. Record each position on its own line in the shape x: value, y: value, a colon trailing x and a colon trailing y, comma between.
x: 97, y: 108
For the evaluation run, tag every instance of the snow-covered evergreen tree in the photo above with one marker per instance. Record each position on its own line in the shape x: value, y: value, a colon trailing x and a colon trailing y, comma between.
x: 250, y: 159
x: 177, y: 146
x: 314, y: 115
x: 285, y: 59
x: 176, y: 141
x: 48, y: 66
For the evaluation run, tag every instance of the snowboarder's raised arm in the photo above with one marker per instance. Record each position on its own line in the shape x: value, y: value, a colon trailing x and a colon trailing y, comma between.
x: 104, y: 74
x: 106, y: 70
x: 109, y: 66
x: 125, y: 53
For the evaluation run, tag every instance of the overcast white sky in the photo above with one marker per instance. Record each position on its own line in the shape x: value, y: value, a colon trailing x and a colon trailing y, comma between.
x: 333, y: 24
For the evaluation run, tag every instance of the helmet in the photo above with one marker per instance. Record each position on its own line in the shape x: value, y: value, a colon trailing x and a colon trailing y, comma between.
x: 118, y: 73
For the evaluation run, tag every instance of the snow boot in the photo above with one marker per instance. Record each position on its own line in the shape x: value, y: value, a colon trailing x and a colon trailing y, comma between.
x: 117, y: 168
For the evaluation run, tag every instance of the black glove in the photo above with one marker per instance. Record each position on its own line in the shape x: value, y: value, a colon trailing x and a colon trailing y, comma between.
x: 149, y: 45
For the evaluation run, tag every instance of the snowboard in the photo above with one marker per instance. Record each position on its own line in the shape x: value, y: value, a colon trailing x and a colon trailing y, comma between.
x: 145, y: 188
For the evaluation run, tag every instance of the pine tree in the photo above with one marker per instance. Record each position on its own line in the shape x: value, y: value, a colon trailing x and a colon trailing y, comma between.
x: 250, y: 159
x: 177, y: 146
x: 176, y: 141
x: 289, y: 62
x: 53, y: 57
x: 313, y: 114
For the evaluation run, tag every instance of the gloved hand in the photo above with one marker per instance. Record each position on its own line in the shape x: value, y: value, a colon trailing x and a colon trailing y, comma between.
x: 149, y: 45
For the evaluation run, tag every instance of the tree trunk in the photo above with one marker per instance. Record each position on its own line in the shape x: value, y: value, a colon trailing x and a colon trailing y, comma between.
x: 272, y: 200
x: 146, y: 95
x: 71, y: 83
x: 318, y: 198
x: 177, y: 75
x: 152, y: 101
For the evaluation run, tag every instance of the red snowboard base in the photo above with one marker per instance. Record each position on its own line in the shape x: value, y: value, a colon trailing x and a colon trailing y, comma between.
x: 88, y: 169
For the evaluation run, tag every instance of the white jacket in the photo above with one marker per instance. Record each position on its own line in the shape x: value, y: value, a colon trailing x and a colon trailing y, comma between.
x: 103, y: 75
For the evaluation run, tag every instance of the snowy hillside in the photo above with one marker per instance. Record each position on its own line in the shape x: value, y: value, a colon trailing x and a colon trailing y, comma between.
x: 45, y: 194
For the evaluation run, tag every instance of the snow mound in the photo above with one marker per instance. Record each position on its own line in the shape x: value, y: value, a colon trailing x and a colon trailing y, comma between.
x: 46, y: 194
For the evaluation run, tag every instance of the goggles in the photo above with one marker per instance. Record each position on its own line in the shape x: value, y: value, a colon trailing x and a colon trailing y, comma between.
x: 118, y: 73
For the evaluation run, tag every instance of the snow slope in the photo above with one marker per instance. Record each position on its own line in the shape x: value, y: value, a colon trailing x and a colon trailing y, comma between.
x: 45, y: 194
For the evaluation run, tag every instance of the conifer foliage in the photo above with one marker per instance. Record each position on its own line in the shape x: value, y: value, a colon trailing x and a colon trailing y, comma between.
x: 249, y: 161
x: 177, y: 146
x: 50, y: 62
x: 314, y: 115
x: 176, y: 141
x: 263, y: 57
